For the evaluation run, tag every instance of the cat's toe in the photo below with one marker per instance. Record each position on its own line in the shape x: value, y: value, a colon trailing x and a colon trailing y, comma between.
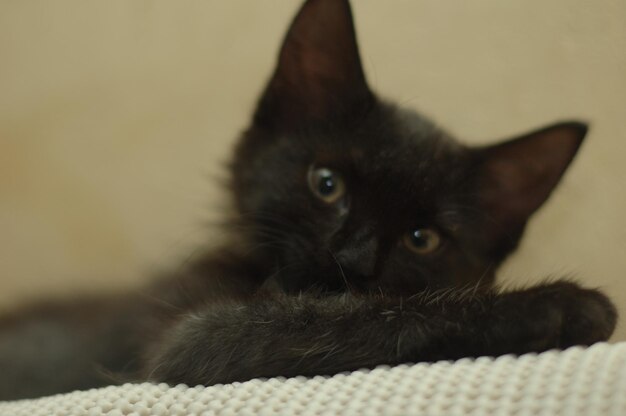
x: 589, y: 316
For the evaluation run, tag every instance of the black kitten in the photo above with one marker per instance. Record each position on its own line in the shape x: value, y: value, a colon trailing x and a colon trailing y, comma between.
x: 363, y: 235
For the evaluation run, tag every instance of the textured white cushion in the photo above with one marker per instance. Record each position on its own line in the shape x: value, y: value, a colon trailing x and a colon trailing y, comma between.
x: 578, y: 381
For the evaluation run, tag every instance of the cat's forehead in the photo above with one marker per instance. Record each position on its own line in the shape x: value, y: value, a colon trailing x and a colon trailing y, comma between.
x: 391, y: 140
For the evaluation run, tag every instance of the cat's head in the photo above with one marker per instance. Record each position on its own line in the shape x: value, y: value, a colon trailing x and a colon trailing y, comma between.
x: 341, y: 190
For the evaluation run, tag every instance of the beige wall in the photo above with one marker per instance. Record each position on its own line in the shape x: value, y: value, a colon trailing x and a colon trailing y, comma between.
x: 114, y: 116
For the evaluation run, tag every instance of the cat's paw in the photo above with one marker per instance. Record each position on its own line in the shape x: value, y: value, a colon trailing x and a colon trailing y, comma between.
x: 589, y: 316
x: 555, y: 315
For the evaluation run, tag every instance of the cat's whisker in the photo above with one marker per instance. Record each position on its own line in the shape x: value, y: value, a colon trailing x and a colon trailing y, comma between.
x: 160, y: 301
x: 283, y: 268
x: 341, y: 272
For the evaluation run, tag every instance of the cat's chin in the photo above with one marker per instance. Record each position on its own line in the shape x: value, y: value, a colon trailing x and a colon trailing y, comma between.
x: 313, y: 279
x: 334, y: 281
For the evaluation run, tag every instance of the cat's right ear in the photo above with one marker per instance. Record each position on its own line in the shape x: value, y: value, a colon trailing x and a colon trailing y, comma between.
x: 318, y: 76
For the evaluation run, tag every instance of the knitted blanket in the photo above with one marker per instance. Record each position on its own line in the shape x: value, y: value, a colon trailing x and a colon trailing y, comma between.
x: 578, y: 381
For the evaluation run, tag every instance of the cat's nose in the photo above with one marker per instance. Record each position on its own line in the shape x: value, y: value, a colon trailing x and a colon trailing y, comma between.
x: 358, y: 256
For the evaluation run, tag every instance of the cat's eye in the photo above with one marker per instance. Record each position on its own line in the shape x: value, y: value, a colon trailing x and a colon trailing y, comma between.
x: 326, y: 184
x: 422, y: 240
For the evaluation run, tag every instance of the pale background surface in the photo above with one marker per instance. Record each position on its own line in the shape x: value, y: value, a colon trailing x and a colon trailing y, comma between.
x: 115, y: 116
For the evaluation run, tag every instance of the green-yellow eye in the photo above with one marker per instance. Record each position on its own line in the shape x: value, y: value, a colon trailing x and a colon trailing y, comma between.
x: 326, y: 185
x: 422, y: 240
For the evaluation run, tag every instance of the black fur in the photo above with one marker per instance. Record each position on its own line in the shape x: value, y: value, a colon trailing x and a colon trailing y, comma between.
x: 308, y: 286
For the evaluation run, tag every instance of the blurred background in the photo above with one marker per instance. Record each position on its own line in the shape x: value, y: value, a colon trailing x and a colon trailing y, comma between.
x: 117, y: 116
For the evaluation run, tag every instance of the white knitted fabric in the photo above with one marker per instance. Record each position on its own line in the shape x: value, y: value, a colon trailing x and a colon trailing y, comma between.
x: 578, y: 381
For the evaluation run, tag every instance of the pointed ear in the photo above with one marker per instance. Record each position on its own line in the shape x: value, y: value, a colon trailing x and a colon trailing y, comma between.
x: 319, y: 73
x: 517, y: 176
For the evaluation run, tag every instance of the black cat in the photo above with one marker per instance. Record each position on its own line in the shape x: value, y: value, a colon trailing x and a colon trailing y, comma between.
x: 363, y: 235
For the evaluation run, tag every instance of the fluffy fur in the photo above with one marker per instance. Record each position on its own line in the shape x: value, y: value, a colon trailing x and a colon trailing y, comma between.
x: 315, y: 285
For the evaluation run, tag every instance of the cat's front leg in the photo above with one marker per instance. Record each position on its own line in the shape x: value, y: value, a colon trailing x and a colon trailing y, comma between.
x: 290, y: 336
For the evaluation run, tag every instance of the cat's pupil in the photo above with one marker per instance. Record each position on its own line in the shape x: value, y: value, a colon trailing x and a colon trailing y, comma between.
x: 419, y: 239
x: 326, y: 185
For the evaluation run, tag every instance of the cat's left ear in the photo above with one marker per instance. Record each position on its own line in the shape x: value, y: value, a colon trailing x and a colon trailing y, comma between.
x: 319, y: 74
x: 517, y: 176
